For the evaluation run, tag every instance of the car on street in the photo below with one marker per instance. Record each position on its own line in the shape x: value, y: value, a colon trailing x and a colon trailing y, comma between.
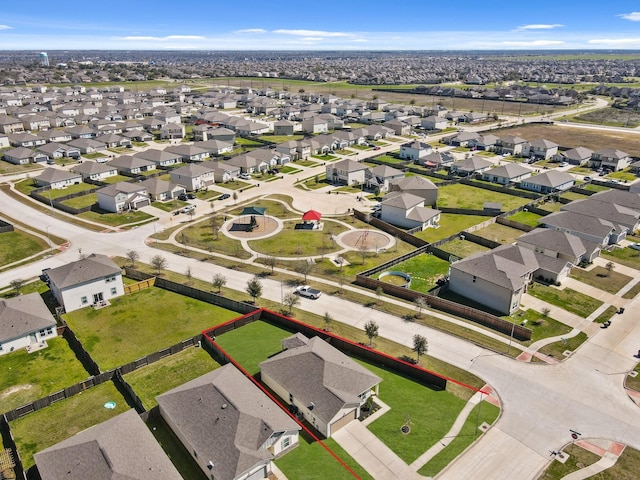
x: 188, y: 209
x: 587, y: 179
x: 224, y: 196
x: 564, y: 164
x: 376, y: 148
x: 307, y: 291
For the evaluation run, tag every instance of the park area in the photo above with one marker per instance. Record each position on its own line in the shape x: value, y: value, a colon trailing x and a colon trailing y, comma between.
x: 141, y: 323
x: 423, y: 269
x: 430, y: 412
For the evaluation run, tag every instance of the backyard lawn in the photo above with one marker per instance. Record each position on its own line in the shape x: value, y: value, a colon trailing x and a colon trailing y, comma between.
x: 114, y: 335
x: 30, y: 376
x: 61, y: 420
x: 424, y: 271
x: 157, y: 378
x: 82, y: 201
x: 464, y: 196
x: 499, y: 233
x: 17, y: 245
x: 450, y: 223
x: 527, y: 218
x: 568, y: 299
x: 463, y: 248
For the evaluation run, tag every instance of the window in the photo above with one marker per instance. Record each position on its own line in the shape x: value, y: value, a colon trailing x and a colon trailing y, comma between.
x: 114, y: 291
x: 84, y: 300
x: 50, y: 331
x: 286, y: 441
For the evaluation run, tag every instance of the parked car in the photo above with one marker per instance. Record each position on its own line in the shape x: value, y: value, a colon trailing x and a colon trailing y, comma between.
x: 245, y: 176
x: 307, y: 291
x: 183, y: 197
x: 635, y: 246
x: 188, y: 209
x: 587, y: 179
x: 376, y: 148
x: 224, y: 196
x: 564, y: 164
x: 191, y: 196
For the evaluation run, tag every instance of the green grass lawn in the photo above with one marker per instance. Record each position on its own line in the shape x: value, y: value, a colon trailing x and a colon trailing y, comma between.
x: 424, y: 270
x: 290, y: 242
x: 599, y: 277
x: 247, y: 142
x: 312, y: 462
x: 7, y: 168
x: 82, y: 201
x: 623, y: 175
x: 116, y: 219
x: 464, y: 196
x: 17, y: 245
x: 483, y: 412
x: 30, y: 376
x: 556, y: 349
x: 626, y: 468
x: 63, y: 419
x: 578, y: 459
x: 157, y: 378
x: 527, y: 218
x: 27, y: 186
x: 114, y: 335
x: 499, y: 233
x: 94, y: 155
x: 391, y: 160
x: 570, y: 300
x: 450, y: 223
x: 274, y: 208
x: 635, y: 290
x: 625, y: 256
x: 573, y: 196
x: 116, y: 178
x: 325, y: 157
x: 170, y: 205
x: 541, y: 326
x: 606, y: 315
x: 463, y: 248
x: 550, y: 206
x: 270, y: 137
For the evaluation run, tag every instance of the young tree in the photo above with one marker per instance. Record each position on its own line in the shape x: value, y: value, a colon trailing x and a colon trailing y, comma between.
x: 421, y: 303
x: 609, y: 266
x: 420, y: 345
x: 215, y: 225
x: 235, y: 197
x: 291, y: 300
x: 188, y: 274
x: 271, y: 263
x: 17, y: 285
x: 327, y: 320
x: 159, y: 263
x: 371, y: 330
x: 133, y: 257
x: 219, y: 281
x: 303, y: 268
x: 379, y: 292
x: 254, y: 288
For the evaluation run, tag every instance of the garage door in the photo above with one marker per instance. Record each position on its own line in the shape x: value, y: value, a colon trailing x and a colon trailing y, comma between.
x: 338, y: 424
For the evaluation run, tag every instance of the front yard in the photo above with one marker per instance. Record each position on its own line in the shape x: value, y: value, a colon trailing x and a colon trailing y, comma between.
x: 568, y: 299
x: 141, y: 323
x: 600, y: 277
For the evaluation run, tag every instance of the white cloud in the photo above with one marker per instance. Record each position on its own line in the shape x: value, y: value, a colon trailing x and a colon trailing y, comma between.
x: 146, y: 38
x: 533, y: 43
x: 313, y: 33
x: 5, y: 27
x: 540, y: 26
x: 312, y: 39
x: 251, y: 30
x: 614, y: 41
x: 633, y: 16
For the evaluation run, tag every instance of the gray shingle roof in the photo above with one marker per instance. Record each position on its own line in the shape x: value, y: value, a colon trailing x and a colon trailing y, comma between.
x: 225, y: 419
x: 320, y: 374
x: 22, y: 315
x: 93, y: 267
x: 551, y: 178
x: 554, y: 240
x: 121, y: 448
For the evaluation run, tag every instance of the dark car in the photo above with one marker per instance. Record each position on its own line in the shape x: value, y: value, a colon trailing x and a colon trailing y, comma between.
x: 191, y: 196
x: 183, y: 197
x: 224, y: 196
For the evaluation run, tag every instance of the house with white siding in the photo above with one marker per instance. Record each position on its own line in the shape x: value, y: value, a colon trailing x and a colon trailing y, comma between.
x: 25, y: 321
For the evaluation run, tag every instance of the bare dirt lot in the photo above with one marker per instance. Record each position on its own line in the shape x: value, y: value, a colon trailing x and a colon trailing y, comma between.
x: 571, y: 137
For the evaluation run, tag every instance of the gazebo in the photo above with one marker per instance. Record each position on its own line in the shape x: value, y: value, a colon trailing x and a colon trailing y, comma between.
x: 253, y: 211
x: 311, y: 215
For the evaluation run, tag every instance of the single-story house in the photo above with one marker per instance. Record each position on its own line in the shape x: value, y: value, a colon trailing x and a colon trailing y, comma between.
x: 92, y: 280
x: 24, y: 320
x: 406, y: 210
x: 215, y: 147
x: 591, y: 229
x: 122, y: 447
x: 508, y: 173
x: 94, y: 171
x: 132, y: 165
x: 575, y: 156
x: 56, y: 178
x: 326, y: 386
x: 548, y: 182
x: 470, y: 166
x: 161, y: 158
x: 189, y: 153
x: 436, y: 160
x: 88, y: 145
x: 194, y: 176
x: 24, y: 156
x: 228, y: 425
x: 122, y: 196
x: 599, y: 208
x: 557, y: 244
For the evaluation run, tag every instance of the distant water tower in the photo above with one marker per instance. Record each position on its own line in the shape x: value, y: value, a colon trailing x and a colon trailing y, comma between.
x: 44, y: 59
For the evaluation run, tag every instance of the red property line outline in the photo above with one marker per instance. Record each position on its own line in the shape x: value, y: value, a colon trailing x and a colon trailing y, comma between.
x: 205, y: 333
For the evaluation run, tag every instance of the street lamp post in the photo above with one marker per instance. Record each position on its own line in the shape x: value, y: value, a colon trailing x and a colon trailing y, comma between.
x: 513, y: 327
x: 49, y: 239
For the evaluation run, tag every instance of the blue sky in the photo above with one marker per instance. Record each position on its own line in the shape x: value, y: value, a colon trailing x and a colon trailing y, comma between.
x: 320, y: 25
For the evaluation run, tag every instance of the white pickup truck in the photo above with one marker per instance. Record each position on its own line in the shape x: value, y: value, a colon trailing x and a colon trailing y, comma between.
x: 307, y: 291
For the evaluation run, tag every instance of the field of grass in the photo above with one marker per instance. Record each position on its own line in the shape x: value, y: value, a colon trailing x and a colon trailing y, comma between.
x: 599, y: 277
x: 157, y: 378
x: 450, y: 223
x: 573, y: 196
x: 63, y: 419
x: 606, y: 315
x: 30, y: 376
x: 625, y: 256
x: 463, y: 248
x: 578, y: 458
x: 568, y: 299
x: 499, y: 233
x: 541, y: 326
x: 116, y: 219
x: 424, y: 270
x: 576, y: 137
x: 464, y: 196
x: 626, y: 468
x: 112, y: 335
x: 82, y: 201
x: 527, y: 218
x: 269, y: 137
x: 17, y: 245
x: 635, y: 290
x: 623, y: 176
x: 556, y: 349
x: 7, y: 168
x: 615, y: 117
x: 290, y: 242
